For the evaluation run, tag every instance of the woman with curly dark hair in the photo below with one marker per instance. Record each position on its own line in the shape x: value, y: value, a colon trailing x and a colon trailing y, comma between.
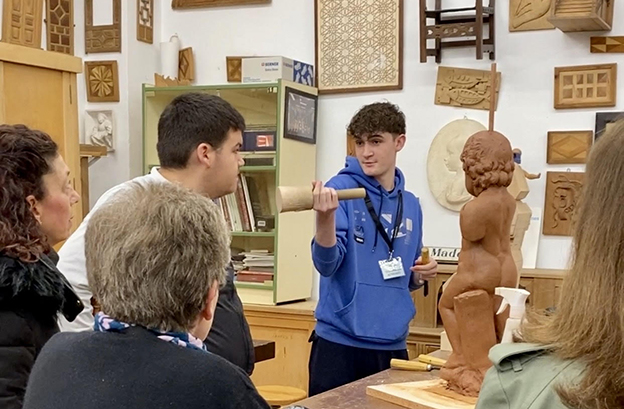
x: 36, y: 196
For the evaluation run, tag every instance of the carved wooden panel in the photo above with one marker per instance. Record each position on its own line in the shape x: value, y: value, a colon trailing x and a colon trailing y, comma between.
x: 582, y: 15
x: 585, y: 86
x: 188, y: 4
x: 607, y: 44
x: 102, y: 81
x: 451, y: 30
x: 145, y: 21
x: 234, y: 69
x: 463, y: 87
x: 186, y: 64
x: 104, y: 38
x: 568, y: 147
x: 21, y: 22
x: 60, y: 26
x: 525, y: 15
x: 563, y: 190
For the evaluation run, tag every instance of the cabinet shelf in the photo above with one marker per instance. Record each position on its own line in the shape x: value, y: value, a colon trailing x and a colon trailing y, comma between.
x: 253, y: 234
x: 259, y: 286
x: 252, y: 169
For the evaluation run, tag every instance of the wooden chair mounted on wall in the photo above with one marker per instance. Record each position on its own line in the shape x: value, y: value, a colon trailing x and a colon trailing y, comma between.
x: 457, y: 23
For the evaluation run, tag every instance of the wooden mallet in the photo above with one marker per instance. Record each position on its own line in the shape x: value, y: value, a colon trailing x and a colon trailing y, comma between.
x: 298, y: 198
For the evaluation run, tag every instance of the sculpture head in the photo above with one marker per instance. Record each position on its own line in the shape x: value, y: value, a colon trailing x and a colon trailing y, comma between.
x: 453, y: 153
x: 487, y: 161
x: 101, y: 117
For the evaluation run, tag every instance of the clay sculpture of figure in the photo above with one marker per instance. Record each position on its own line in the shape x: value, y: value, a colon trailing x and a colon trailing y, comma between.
x: 468, y: 304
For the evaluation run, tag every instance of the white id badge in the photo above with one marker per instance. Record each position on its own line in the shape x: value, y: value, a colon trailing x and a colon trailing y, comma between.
x: 392, y: 268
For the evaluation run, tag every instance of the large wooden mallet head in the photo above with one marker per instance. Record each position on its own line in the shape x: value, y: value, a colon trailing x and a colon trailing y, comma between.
x: 298, y: 198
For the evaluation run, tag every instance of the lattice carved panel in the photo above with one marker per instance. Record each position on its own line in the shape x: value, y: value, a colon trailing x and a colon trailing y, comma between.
x: 60, y: 26
x: 104, y: 38
x: 563, y: 190
x: 585, y: 86
x: 145, y: 21
x: 21, y: 22
x: 451, y: 30
x: 359, y: 45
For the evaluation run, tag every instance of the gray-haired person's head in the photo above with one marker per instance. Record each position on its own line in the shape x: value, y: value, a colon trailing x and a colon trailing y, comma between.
x: 156, y: 255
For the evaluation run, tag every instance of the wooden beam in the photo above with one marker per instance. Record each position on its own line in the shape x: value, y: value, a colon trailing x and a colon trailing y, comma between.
x: 92, y: 151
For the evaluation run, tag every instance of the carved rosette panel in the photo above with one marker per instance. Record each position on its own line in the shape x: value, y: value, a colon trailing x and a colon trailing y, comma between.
x: 104, y: 38
x: 60, y: 26
x: 145, y: 21
x: 563, y: 190
x: 102, y: 81
x: 21, y: 22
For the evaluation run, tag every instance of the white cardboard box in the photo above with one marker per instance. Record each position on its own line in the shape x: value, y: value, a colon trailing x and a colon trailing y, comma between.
x: 269, y: 69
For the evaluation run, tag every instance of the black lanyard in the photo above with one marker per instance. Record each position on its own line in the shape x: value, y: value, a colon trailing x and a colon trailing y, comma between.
x: 380, y: 229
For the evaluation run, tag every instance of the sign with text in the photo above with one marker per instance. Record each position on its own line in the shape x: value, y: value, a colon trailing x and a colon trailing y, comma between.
x: 445, y: 255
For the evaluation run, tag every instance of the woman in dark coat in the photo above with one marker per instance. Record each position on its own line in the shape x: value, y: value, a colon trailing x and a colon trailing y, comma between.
x: 36, y: 196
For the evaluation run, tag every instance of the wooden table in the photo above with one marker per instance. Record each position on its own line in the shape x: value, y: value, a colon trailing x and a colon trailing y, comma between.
x: 353, y: 395
x: 263, y: 350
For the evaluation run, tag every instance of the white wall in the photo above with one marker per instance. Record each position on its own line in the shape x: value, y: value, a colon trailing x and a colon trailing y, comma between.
x: 525, y: 113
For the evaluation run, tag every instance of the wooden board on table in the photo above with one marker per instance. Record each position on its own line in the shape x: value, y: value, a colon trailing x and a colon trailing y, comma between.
x: 430, y: 394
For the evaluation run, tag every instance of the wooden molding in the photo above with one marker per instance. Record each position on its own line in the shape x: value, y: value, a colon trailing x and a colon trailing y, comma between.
x: 189, y: 4
x: 102, y: 80
x: 92, y: 151
x: 104, y: 38
x: 585, y: 86
x: 21, y: 22
x: 568, y: 147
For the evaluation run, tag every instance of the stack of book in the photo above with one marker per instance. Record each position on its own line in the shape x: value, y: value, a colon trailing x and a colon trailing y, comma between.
x: 258, y: 267
x: 242, y: 208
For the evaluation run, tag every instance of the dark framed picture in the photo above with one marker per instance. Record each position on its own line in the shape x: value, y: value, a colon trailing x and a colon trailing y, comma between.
x: 300, y: 116
x: 604, y: 120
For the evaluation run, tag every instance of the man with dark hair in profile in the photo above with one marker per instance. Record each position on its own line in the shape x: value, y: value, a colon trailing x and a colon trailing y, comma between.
x: 199, y: 139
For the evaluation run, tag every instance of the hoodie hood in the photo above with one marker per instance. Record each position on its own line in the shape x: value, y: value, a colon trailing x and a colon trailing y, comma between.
x: 354, y: 170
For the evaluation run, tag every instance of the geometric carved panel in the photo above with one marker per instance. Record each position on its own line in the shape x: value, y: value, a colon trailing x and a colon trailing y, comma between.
x: 525, y: 15
x: 568, y: 147
x: 607, y: 44
x: 585, y: 86
x: 60, y: 26
x: 104, y: 38
x: 465, y: 88
x: 186, y: 64
x: 562, y: 193
x: 145, y: 21
x: 234, y: 67
x: 21, y: 22
x: 102, y: 81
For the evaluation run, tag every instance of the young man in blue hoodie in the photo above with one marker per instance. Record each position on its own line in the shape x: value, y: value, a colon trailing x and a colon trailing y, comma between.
x: 368, y: 254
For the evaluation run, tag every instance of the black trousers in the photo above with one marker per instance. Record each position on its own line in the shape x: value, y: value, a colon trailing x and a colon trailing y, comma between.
x: 332, y: 365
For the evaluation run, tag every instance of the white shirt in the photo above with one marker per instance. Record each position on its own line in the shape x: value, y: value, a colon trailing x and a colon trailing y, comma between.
x: 72, y: 261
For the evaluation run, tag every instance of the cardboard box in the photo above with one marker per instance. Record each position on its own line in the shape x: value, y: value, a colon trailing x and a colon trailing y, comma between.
x: 269, y: 69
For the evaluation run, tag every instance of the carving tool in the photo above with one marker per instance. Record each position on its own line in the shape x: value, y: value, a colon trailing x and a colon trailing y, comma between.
x: 298, y: 198
x: 433, y: 361
x: 424, y: 255
x: 410, y: 365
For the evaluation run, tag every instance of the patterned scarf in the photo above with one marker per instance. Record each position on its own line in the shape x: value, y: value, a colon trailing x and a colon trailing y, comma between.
x: 105, y: 323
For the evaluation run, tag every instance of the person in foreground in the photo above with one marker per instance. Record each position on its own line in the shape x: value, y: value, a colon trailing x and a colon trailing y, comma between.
x: 368, y: 254
x: 199, y: 141
x: 156, y: 256
x: 36, y: 196
x: 573, y: 358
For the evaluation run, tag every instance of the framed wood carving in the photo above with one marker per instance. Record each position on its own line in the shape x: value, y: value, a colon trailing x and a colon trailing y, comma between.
x: 21, y: 22
x: 604, y: 120
x: 60, y: 26
x: 186, y: 64
x: 525, y: 15
x: 582, y: 15
x: 104, y: 38
x: 585, y: 86
x: 465, y: 88
x: 102, y: 81
x: 359, y: 45
x: 190, y: 4
x: 568, y: 147
x: 234, y: 69
x: 607, y: 44
x: 145, y: 21
x: 563, y: 190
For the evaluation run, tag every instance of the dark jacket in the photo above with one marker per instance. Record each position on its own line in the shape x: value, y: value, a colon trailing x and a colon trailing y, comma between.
x: 134, y: 369
x: 31, y: 296
x: 229, y: 336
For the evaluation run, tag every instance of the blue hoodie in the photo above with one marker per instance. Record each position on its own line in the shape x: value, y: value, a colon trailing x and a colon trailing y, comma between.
x: 357, y: 307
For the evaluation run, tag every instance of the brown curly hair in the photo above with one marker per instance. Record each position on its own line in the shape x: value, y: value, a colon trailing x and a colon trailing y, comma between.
x: 25, y: 157
x: 488, y: 160
x: 377, y: 117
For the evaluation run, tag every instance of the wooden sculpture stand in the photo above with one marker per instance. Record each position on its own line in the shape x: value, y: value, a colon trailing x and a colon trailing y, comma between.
x: 457, y: 23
